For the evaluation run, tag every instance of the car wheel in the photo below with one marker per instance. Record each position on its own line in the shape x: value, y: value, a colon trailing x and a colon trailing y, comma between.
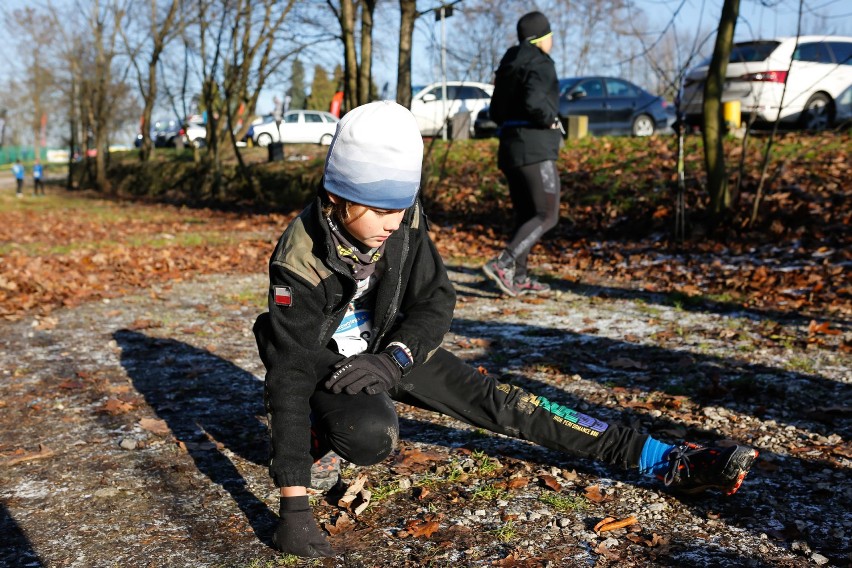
x: 643, y: 125
x: 264, y: 139
x: 325, y: 140
x: 818, y: 113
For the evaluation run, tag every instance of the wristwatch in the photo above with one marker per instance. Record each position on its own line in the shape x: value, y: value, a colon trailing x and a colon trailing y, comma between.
x: 400, y: 355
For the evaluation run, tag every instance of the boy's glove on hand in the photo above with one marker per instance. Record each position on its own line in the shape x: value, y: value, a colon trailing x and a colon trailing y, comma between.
x: 371, y: 373
x: 297, y: 532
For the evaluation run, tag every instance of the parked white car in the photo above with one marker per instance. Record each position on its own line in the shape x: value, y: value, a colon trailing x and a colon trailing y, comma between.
x: 297, y: 127
x: 195, y: 133
x: 432, y: 111
x: 816, y: 71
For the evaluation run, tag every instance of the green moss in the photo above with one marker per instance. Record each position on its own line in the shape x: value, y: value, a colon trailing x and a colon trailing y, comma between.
x: 562, y: 502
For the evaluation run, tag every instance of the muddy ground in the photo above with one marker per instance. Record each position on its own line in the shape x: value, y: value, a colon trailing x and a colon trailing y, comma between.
x: 132, y: 435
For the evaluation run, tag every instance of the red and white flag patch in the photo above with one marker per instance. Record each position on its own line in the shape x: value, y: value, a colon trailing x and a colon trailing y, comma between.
x: 283, y: 296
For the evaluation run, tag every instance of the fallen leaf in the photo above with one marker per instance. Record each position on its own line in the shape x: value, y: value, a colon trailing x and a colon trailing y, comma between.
x: 342, y: 524
x: 550, y: 482
x: 517, y: 482
x: 45, y: 324
x: 418, y: 527
x: 43, y: 452
x: 602, y: 522
x: 613, y: 524
x: 352, y: 491
x: 155, y: 426
x: 415, y: 456
x: 655, y: 540
x: 141, y: 324
x: 607, y: 553
x: 594, y: 494
x: 823, y: 328
x: 114, y: 406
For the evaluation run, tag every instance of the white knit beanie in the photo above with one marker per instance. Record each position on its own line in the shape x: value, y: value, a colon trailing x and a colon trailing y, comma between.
x: 376, y: 156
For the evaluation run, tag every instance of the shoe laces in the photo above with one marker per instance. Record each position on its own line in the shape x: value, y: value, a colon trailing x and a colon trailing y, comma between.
x: 679, y: 458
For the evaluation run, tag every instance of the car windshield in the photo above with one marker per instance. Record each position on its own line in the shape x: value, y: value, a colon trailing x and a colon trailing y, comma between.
x: 749, y: 52
x: 566, y: 84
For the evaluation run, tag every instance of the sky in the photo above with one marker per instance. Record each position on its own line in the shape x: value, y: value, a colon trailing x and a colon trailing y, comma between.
x: 758, y: 19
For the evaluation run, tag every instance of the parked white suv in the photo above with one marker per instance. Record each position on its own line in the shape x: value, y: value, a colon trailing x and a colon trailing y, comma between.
x: 432, y: 111
x: 821, y: 70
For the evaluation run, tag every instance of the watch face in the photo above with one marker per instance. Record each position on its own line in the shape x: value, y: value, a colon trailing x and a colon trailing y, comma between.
x: 401, y: 357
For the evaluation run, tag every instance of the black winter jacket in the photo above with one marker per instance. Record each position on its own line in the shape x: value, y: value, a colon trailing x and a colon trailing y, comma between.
x: 525, y: 104
x: 414, y: 305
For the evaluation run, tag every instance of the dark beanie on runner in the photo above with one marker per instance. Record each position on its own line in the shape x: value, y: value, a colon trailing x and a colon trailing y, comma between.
x: 532, y: 26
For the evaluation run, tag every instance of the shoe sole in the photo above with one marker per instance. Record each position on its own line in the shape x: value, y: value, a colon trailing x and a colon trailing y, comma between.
x: 326, y: 475
x: 739, y: 466
x: 493, y: 276
x: 534, y: 292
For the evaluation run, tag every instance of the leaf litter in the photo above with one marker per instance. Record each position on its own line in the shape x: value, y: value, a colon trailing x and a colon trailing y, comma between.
x: 168, y: 362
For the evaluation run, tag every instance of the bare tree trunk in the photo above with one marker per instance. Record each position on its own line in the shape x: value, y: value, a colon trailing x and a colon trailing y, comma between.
x: 346, y: 19
x: 72, y: 119
x: 366, y: 67
x: 407, y: 17
x: 147, y: 148
x: 160, y: 35
x: 721, y: 196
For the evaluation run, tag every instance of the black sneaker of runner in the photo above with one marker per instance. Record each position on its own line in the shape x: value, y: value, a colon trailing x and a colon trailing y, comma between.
x: 529, y: 285
x: 503, y: 276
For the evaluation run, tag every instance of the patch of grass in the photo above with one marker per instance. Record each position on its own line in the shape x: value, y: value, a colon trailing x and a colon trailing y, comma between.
x: 182, y: 240
x: 456, y: 473
x: 248, y: 298
x: 505, y: 533
x: 283, y: 560
x: 384, y: 491
x: 721, y: 298
x: 801, y: 364
x: 562, y: 502
x: 681, y: 301
x: 484, y: 464
x: 644, y: 308
x: 489, y: 492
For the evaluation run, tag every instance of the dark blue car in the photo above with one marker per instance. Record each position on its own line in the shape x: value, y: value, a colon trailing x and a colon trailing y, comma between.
x: 613, y: 106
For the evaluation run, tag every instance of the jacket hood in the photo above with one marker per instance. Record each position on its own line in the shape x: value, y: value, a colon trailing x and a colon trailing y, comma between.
x: 518, y: 57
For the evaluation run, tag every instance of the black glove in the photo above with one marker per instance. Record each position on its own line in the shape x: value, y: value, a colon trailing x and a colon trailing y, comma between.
x: 371, y: 373
x: 297, y: 532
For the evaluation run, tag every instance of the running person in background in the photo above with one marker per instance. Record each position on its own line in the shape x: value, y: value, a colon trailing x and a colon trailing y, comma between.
x: 359, y: 303
x: 525, y: 105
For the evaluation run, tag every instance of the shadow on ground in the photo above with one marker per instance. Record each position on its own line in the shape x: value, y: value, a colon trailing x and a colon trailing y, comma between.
x: 210, y: 405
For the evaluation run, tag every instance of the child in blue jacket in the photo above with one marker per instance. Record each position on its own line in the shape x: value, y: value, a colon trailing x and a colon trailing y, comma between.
x: 38, y: 175
x: 18, y: 172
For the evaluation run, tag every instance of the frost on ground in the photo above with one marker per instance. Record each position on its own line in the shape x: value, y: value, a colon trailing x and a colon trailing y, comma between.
x: 133, y: 435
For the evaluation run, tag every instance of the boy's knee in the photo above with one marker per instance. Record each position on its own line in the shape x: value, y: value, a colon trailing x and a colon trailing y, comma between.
x: 367, y: 441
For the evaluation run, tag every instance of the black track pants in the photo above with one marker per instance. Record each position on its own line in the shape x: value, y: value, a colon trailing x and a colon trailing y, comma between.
x: 364, y: 429
x: 534, y: 190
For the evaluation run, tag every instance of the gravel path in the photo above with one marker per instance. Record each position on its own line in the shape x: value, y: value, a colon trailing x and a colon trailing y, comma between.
x: 132, y: 435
